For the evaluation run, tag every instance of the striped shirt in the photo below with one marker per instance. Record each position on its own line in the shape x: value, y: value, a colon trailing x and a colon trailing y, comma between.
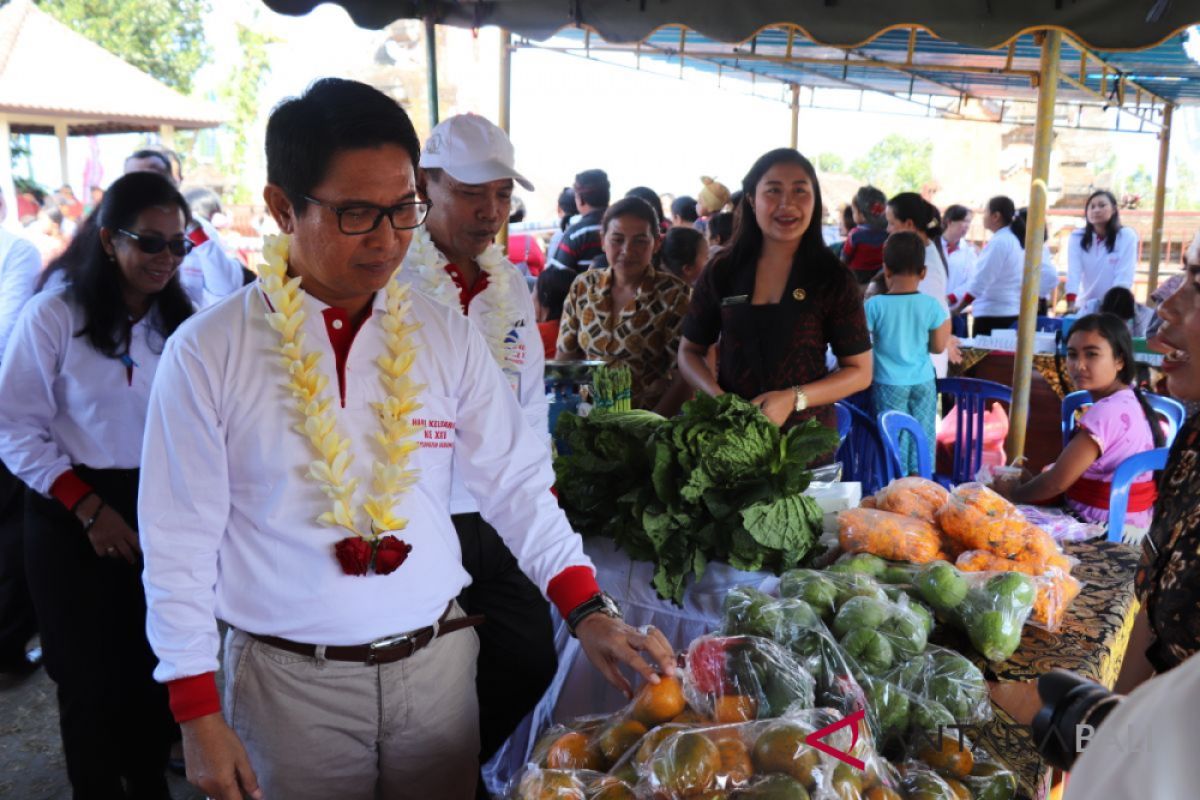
x: 580, y: 245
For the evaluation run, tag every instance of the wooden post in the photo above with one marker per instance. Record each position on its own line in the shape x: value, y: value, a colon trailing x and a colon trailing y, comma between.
x: 431, y: 68
x: 1034, y: 239
x: 1160, y: 199
x: 7, y: 188
x: 166, y: 133
x: 505, y: 106
x: 795, y: 116
x: 64, y: 162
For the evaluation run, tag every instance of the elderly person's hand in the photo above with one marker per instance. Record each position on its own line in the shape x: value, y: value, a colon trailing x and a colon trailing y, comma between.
x: 610, y: 642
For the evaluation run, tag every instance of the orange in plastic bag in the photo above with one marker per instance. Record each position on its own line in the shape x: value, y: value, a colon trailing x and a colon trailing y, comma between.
x: 887, y: 535
x: 1055, y: 591
x: 912, y: 497
x: 979, y: 519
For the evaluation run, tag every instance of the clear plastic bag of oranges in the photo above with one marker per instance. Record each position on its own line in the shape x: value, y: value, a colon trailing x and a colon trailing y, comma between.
x: 771, y: 758
x: 728, y: 679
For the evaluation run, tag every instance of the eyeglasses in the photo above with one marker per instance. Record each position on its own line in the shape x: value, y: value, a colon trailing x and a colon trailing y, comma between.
x: 150, y: 245
x: 358, y: 220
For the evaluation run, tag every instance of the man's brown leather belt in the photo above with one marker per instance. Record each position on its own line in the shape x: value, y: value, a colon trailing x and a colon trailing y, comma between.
x: 381, y: 651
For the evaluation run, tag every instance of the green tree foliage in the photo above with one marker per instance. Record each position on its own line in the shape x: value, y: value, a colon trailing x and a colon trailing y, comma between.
x: 830, y: 162
x: 1141, y: 184
x: 896, y: 164
x: 164, y: 38
x: 239, y: 94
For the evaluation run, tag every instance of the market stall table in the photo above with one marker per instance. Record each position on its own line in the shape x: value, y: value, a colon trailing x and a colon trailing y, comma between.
x: 1092, y: 642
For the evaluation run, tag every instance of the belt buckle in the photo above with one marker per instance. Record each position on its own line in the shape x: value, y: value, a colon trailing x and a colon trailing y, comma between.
x: 387, y: 642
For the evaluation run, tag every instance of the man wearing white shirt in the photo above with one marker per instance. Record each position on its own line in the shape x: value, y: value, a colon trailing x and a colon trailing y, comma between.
x: 208, y: 273
x: 20, y: 265
x: 350, y: 667
x: 467, y: 174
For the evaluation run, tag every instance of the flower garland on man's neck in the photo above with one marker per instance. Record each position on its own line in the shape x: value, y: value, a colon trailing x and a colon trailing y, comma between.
x: 427, y: 265
x: 371, y: 546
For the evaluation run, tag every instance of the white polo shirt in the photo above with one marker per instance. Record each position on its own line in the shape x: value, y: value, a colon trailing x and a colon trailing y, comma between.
x: 62, y: 402
x: 228, y: 518
x: 999, y: 273
x: 1092, y: 272
x: 524, y: 366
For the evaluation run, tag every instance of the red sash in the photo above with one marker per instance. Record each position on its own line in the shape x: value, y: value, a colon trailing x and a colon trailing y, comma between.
x: 1096, y: 493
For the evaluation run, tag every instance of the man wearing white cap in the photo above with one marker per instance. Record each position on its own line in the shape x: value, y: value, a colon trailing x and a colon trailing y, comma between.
x: 467, y: 174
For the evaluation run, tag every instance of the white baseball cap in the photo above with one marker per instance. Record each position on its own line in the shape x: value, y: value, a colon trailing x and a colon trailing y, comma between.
x: 471, y: 150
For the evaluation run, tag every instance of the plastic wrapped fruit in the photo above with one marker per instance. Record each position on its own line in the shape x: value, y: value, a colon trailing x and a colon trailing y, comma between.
x: 891, y: 536
x: 740, y: 678
x: 660, y: 702
x: 919, y: 498
x: 550, y: 784
x: 979, y: 519
x: 685, y: 764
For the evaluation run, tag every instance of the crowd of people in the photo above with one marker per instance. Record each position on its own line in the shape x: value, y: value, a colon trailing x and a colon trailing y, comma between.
x: 183, y: 440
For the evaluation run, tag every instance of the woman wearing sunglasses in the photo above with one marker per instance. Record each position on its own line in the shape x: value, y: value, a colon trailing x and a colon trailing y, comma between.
x: 74, y: 384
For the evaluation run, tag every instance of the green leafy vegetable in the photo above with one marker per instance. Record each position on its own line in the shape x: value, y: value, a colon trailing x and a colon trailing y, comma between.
x: 720, y: 482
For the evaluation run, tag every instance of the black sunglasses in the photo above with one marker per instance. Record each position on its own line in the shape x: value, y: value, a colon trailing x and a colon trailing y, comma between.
x: 151, y: 245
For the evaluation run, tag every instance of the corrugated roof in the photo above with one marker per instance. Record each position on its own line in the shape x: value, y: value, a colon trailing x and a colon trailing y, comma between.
x: 1102, y: 24
x: 936, y: 67
x: 49, y: 71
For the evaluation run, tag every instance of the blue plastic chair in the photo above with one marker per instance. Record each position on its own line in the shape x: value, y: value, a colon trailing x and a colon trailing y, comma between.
x: 1127, y: 470
x: 843, y: 420
x: 1070, y: 407
x: 971, y: 399
x: 1168, y: 408
x: 1045, y: 324
x: 892, y: 425
x: 862, y: 452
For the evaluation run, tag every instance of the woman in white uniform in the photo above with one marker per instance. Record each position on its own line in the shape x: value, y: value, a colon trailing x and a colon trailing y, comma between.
x: 74, y: 387
x: 908, y: 211
x: 1100, y: 255
x: 960, y: 257
x: 994, y: 292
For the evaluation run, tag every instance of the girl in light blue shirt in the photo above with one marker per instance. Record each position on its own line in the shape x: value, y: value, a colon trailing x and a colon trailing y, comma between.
x: 906, y: 326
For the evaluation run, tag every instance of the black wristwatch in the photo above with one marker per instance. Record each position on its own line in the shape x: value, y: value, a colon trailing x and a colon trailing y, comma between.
x: 596, y: 604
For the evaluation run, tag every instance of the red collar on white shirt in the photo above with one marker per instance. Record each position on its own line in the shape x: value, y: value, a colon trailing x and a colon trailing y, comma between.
x: 467, y: 293
x: 341, y: 331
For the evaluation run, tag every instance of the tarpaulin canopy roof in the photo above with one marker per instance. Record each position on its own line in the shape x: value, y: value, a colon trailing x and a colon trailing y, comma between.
x: 913, y: 62
x: 1098, y: 24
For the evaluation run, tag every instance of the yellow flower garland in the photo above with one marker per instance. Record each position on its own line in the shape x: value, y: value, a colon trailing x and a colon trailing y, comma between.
x: 390, y: 477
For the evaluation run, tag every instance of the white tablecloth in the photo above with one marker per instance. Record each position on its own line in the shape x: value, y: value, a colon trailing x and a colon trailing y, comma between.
x: 578, y: 688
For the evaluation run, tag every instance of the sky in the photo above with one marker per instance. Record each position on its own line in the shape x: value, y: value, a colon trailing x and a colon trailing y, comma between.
x: 568, y: 113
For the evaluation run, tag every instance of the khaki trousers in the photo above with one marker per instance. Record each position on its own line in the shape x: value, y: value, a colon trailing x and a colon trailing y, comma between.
x: 332, y: 730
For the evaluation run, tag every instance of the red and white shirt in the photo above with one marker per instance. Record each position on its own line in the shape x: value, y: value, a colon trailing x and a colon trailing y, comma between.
x: 62, y: 402
x: 525, y: 371
x: 228, y: 518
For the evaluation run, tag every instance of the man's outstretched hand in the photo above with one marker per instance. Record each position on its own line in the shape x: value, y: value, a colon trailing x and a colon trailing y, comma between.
x: 610, y: 642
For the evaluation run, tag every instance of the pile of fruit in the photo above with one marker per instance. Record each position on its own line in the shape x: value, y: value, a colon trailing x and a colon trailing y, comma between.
x: 661, y: 747
x: 917, y: 521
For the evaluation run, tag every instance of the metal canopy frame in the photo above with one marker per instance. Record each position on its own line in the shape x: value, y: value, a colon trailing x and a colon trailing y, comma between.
x: 912, y: 65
